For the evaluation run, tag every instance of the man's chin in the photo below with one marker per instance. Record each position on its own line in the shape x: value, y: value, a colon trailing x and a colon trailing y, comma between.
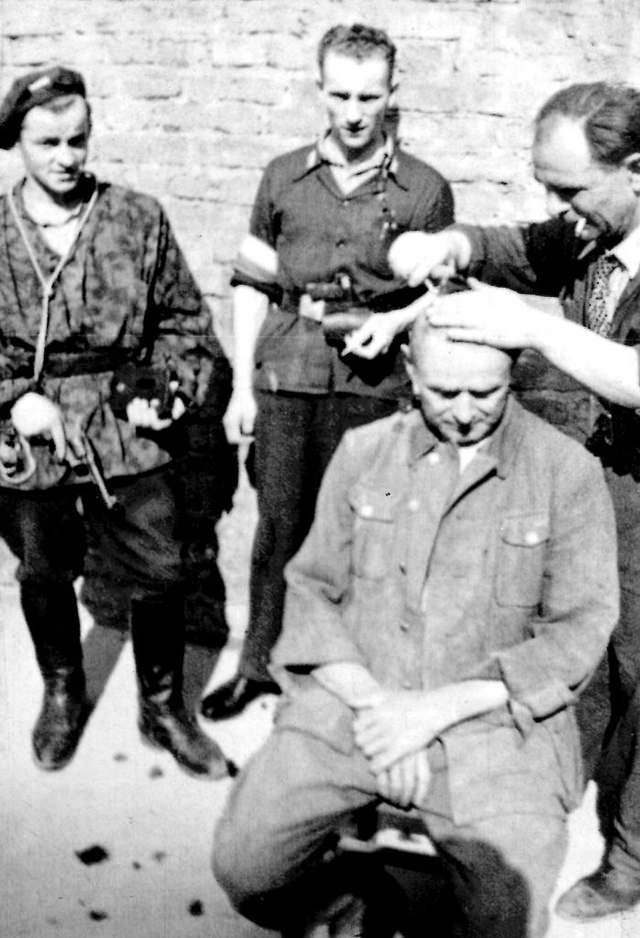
x: 60, y: 188
x: 355, y: 143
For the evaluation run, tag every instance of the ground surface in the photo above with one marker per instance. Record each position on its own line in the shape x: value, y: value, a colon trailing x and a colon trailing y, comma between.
x: 152, y: 823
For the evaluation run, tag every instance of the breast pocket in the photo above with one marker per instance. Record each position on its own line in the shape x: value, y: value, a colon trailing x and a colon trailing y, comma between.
x: 373, y: 532
x: 521, y: 555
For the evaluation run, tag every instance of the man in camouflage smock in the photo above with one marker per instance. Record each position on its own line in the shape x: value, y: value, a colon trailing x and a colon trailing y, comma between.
x: 106, y: 347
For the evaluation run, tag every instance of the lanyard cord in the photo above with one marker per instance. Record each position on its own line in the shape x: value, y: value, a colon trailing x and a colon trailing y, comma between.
x: 47, y: 283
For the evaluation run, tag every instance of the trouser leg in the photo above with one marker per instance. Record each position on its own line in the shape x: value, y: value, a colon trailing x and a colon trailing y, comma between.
x: 624, y: 754
x: 502, y: 871
x: 280, y: 820
x: 501, y: 868
x: 618, y: 774
x: 615, y: 885
x: 142, y: 544
x: 296, y: 435
x: 209, y: 478
x: 281, y: 444
x: 51, y: 613
x: 46, y: 533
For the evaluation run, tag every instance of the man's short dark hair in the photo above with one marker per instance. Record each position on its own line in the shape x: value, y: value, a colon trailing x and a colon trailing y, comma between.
x: 609, y: 113
x: 358, y: 42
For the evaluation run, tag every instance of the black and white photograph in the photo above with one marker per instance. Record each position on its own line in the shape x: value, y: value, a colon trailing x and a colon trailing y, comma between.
x: 319, y: 469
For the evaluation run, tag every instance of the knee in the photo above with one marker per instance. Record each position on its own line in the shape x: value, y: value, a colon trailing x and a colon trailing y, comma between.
x: 236, y: 866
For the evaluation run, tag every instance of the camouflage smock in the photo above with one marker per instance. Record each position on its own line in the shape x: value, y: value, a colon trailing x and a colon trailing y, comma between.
x: 125, y: 293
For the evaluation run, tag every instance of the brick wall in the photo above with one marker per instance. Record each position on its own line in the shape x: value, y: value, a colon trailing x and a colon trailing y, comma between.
x: 192, y: 97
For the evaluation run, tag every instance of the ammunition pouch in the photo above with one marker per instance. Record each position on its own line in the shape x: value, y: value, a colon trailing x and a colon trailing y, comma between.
x: 145, y: 381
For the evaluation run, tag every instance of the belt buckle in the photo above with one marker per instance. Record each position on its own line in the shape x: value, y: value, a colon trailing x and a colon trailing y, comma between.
x: 311, y: 309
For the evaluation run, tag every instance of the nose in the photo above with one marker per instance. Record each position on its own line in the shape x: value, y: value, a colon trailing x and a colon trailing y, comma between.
x: 353, y: 111
x: 556, y: 205
x: 65, y: 155
x: 463, y: 409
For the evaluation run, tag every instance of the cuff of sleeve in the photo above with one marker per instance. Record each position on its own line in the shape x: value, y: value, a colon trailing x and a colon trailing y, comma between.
x: 475, y: 236
x: 531, y: 688
x: 289, y: 656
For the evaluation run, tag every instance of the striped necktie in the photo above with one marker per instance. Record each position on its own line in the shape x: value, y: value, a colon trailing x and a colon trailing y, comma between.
x: 600, y: 305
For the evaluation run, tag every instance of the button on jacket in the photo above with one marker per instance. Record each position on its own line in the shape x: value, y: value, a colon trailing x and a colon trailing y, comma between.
x: 426, y: 576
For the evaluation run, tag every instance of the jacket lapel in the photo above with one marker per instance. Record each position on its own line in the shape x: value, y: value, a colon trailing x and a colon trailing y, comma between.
x: 628, y: 307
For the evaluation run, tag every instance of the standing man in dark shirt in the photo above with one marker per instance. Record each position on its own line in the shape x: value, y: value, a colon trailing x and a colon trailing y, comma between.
x: 317, y: 335
x: 106, y: 348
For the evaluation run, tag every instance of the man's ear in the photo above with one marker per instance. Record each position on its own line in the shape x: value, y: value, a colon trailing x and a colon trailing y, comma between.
x: 409, y: 365
x: 632, y: 163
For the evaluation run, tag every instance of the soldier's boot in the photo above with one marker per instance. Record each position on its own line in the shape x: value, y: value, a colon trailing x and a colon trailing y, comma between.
x: 157, y: 632
x: 51, y: 613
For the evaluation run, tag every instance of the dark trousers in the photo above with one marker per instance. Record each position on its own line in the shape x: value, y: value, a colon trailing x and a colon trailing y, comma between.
x: 295, y: 437
x: 609, y: 711
x: 50, y: 532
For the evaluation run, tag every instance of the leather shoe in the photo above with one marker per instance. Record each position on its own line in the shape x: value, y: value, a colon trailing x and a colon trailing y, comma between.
x: 59, y: 726
x: 605, y: 892
x: 232, y: 697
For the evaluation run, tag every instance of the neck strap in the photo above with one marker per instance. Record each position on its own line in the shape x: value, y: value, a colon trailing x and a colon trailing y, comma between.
x: 47, y: 283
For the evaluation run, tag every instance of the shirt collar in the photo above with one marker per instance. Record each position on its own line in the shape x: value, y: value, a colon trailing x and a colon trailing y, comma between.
x: 324, y: 152
x: 627, y: 252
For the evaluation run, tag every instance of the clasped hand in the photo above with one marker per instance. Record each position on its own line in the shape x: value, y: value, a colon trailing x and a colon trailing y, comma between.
x: 393, y: 729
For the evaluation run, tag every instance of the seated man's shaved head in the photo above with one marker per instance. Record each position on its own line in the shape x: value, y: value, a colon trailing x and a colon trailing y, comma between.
x: 462, y: 387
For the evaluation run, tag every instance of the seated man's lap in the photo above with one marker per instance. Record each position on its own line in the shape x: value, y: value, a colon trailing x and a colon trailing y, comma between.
x: 297, y: 792
x: 284, y: 807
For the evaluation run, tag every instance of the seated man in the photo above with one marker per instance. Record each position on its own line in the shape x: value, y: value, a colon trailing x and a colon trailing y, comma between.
x: 454, y: 595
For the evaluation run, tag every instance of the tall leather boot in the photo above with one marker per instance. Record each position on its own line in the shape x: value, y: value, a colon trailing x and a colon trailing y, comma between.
x: 157, y: 632
x: 51, y: 613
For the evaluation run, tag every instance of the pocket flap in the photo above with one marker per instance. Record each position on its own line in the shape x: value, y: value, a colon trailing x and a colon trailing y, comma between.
x: 372, y: 504
x: 525, y: 530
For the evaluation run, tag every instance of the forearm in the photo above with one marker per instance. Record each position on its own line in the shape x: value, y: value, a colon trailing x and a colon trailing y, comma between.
x: 393, y: 724
x: 605, y: 367
x: 455, y: 703
x: 350, y: 682
x: 250, y: 308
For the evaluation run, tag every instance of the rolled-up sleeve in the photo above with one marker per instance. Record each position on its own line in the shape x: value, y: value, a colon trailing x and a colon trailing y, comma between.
x: 580, y: 603
x: 262, y: 227
x: 530, y: 259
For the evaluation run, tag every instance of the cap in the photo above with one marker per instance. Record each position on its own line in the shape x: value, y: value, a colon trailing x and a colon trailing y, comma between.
x: 29, y: 91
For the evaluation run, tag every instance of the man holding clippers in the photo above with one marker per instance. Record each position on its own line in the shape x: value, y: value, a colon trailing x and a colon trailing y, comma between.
x: 586, y: 154
x: 106, y: 344
x: 329, y: 212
